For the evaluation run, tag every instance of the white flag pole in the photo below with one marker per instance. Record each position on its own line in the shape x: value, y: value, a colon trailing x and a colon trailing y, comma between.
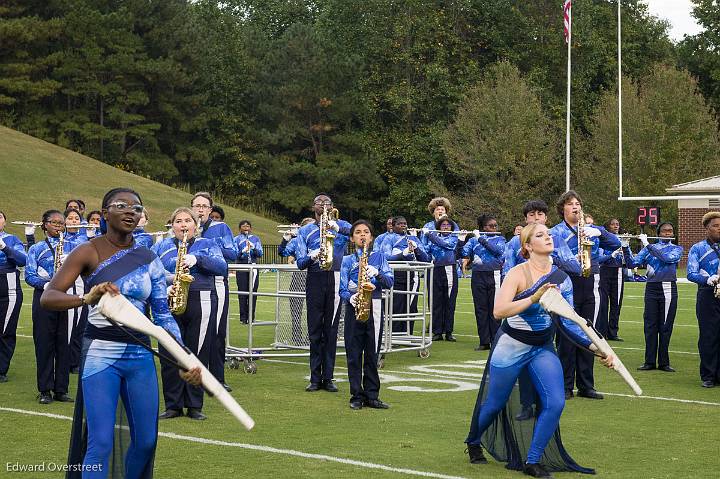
x: 567, y: 125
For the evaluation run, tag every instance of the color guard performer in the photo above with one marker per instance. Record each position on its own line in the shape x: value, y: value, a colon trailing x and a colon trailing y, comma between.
x: 702, y: 268
x: 321, y: 290
x: 486, y: 253
x: 443, y: 248
x: 202, y: 204
x: 362, y: 336
x: 51, y: 329
x: 12, y: 256
x: 578, y: 363
x: 661, y: 261
x: 249, y: 250
x: 612, y: 285
x: 205, y: 262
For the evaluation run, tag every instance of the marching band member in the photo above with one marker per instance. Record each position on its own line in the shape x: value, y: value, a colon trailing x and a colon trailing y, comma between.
x: 661, y: 294
x: 702, y: 268
x: 381, y: 237
x: 612, y: 285
x: 438, y: 207
x: 93, y: 218
x: 362, y: 338
x: 249, y: 250
x: 73, y: 218
x: 321, y: 293
x: 77, y: 317
x: 12, y: 256
x: 486, y: 252
x: 578, y: 363
x: 221, y: 233
x: 217, y: 213
x: 401, y: 246
x: 116, y: 364
x: 78, y: 205
x: 443, y: 249
x: 525, y: 344
x: 51, y: 329
x: 288, y: 249
x: 205, y: 261
x: 141, y: 237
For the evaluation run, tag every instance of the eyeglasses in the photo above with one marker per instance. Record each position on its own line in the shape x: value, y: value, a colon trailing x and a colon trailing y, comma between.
x: 202, y: 207
x: 123, y: 206
x: 323, y: 203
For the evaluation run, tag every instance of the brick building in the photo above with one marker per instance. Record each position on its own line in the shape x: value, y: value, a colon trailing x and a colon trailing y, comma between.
x: 691, y: 211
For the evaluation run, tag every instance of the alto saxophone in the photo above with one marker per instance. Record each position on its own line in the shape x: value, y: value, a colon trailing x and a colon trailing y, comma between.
x: 364, y: 291
x: 584, y: 247
x: 327, y: 238
x: 178, y: 298
x: 59, y: 251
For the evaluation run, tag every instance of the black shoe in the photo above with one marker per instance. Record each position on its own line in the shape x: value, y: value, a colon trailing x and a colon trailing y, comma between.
x: 646, y: 367
x: 75, y: 370
x: 483, y: 347
x: 376, y: 404
x: 312, y: 387
x: 525, y: 414
x: 3, y: 378
x: 476, y: 454
x: 437, y: 337
x: 227, y: 388
x: 63, y: 397
x: 330, y: 386
x: 170, y: 414
x: 356, y: 404
x: 568, y: 394
x: 667, y: 368
x: 535, y: 470
x: 708, y: 384
x: 45, y: 398
x: 616, y: 338
x: 590, y: 394
x: 196, y: 413
x: 244, y: 321
x: 450, y: 337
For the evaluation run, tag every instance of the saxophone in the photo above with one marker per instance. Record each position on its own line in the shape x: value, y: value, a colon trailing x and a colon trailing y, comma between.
x: 178, y: 298
x: 327, y: 238
x: 59, y: 251
x: 364, y: 297
x: 584, y: 247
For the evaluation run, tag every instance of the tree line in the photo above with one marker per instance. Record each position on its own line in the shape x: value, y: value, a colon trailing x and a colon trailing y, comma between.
x: 380, y: 103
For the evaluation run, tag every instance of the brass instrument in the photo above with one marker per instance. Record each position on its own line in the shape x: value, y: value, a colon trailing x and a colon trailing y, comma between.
x: 178, y: 298
x: 59, y: 251
x: 327, y: 238
x: 364, y: 291
x: 584, y: 247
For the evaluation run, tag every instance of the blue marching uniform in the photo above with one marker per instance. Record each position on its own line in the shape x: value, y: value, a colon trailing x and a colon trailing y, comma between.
x: 524, y: 345
x: 487, y: 255
x: 703, y: 261
x: 52, y: 330
x: 221, y: 234
x: 578, y: 363
x: 116, y: 364
x: 322, y: 298
x: 197, y: 323
x: 362, y: 339
x: 297, y: 284
x: 378, y: 242
x: 142, y: 238
x: 612, y: 286
x: 77, y: 316
x: 405, y: 284
x: 661, y: 297
x: 443, y: 250
x: 562, y: 255
x: 249, y: 250
x: 12, y: 256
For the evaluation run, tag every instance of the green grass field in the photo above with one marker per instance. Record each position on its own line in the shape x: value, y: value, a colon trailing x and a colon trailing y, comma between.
x: 36, y: 176
x: 671, y: 432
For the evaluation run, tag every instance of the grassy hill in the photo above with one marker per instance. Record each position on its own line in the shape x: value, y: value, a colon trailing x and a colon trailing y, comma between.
x: 36, y: 176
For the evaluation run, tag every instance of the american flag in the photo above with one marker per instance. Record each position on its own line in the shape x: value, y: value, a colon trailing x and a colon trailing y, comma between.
x: 566, y: 17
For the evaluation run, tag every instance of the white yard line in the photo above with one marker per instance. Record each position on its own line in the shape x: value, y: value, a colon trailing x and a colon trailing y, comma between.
x: 256, y: 447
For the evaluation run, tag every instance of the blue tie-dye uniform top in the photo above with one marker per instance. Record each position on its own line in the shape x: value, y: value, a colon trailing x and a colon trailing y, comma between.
x: 241, y: 243
x: 309, y: 243
x: 486, y: 253
x: 349, y: 274
x: 210, y: 261
x: 142, y: 238
x: 40, y: 267
x: 703, y: 262
x: 13, y: 255
x: 394, y: 246
x: 442, y: 248
x: 661, y: 261
x: 221, y: 234
x: 565, y: 232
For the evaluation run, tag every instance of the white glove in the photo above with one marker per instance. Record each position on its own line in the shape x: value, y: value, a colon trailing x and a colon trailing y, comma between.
x: 169, y: 289
x: 426, y: 231
x: 643, y: 239
x: 287, y: 237
x: 189, y: 260
x: 406, y: 252
x: 591, y: 232
x: 2, y: 244
x: 616, y: 253
x: 462, y: 236
x: 314, y: 255
x: 29, y: 230
x: 412, y: 231
x: 371, y: 271
x: 712, y: 280
x: 411, y: 245
x: 624, y: 243
x: 476, y: 234
x: 45, y: 286
x: 353, y: 300
x: 90, y: 232
x: 333, y: 224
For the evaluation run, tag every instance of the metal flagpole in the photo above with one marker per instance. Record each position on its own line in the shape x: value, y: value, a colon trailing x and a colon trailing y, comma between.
x: 619, y: 59
x: 568, y: 7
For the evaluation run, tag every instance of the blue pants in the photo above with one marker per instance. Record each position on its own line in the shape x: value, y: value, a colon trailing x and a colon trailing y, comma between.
x: 136, y: 382
x: 546, y: 375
